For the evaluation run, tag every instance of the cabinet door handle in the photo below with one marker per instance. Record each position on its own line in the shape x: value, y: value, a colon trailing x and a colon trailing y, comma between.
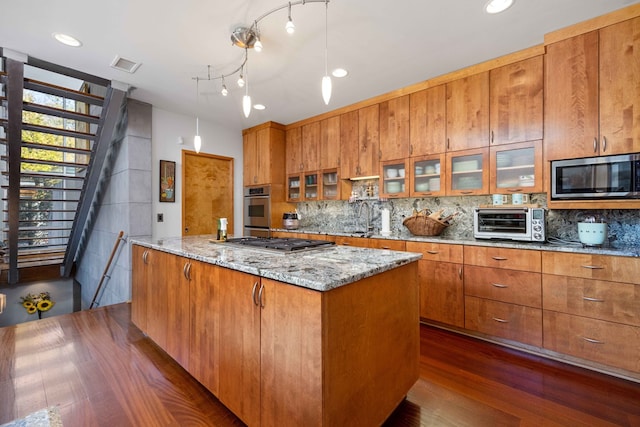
x: 497, y: 319
x: 253, y: 293
x: 448, y: 144
x: 604, y: 144
x: 189, y: 271
x: 593, y: 267
x: 595, y: 145
x: 145, y: 257
x: 185, y: 269
x: 466, y: 192
x: 433, y: 252
x: 410, y: 149
x: 261, y: 302
x: 460, y: 273
x: 492, y: 137
x: 499, y: 258
x: 498, y: 285
x: 592, y: 299
x: 592, y: 341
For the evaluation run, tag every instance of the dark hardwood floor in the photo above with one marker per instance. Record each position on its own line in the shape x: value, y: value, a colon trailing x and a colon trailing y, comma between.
x: 100, y: 370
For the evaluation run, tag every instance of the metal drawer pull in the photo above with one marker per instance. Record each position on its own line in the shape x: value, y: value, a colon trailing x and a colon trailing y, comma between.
x: 261, y: 302
x: 499, y: 258
x: 592, y: 267
x: 592, y: 299
x: 498, y: 285
x: 184, y: 270
x: 433, y: 252
x: 253, y: 293
x: 591, y: 340
x: 500, y: 320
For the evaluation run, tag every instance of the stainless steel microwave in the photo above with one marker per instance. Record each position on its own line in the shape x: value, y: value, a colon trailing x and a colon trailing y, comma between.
x: 604, y: 177
x: 525, y: 223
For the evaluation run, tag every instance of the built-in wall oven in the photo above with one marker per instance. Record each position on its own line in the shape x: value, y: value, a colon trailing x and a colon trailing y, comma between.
x: 257, y: 211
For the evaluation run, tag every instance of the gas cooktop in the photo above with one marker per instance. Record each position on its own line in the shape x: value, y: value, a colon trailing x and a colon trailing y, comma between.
x: 280, y: 244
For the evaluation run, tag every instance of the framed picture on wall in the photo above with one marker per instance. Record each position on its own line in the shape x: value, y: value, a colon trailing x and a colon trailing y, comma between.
x: 167, y: 181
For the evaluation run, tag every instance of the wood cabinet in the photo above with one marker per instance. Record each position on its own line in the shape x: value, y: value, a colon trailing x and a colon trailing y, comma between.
x: 516, y: 168
x: 294, y: 187
x: 592, y: 97
x: 139, y: 284
x: 516, y: 102
x: 440, y: 277
x: 360, y: 142
x: 428, y: 176
x: 330, y: 143
x: 263, y: 154
x: 592, y: 307
x: 468, y: 112
x: 293, y: 149
x: 395, y: 178
x: 503, y: 293
x: 394, y: 128
x: 428, y: 126
x: 468, y: 172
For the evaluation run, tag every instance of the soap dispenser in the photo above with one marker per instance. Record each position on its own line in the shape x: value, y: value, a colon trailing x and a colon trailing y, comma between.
x: 222, y: 231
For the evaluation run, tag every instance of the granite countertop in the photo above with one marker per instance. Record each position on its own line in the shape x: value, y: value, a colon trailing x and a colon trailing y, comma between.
x: 560, y: 246
x: 321, y: 270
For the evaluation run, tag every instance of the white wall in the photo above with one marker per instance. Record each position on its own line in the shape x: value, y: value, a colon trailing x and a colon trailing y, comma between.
x: 167, y: 127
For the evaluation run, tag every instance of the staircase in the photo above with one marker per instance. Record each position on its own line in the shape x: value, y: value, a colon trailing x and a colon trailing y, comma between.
x: 53, y: 122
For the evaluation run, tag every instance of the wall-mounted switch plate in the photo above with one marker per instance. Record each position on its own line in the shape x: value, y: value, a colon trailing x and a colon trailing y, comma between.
x: 160, y: 217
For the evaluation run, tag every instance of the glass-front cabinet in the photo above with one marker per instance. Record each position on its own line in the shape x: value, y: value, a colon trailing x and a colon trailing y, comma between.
x: 294, y: 188
x: 517, y: 168
x: 469, y: 172
x: 330, y: 185
x: 428, y: 175
x: 311, y: 185
x: 394, y: 175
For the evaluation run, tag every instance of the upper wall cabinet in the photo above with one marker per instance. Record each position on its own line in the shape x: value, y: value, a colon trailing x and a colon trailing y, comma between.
x: 516, y: 99
x: 330, y: 143
x: 592, y: 104
x: 310, y: 146
x: 294, y: 150
x: 428, y: 126
x: 263, y: 158
x: 468, y: 112
x: 360, y: 142
x: 394, y: 128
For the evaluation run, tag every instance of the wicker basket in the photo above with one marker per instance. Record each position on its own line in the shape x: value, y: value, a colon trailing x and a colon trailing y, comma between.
x: 420, y: 224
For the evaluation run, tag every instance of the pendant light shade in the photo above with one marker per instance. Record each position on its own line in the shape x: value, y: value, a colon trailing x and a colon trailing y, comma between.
x: 246, y: 105
x: 197, y: 143
x: 326, y: 89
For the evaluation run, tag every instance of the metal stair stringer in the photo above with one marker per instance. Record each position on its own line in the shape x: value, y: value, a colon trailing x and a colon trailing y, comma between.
x: 113, y: 112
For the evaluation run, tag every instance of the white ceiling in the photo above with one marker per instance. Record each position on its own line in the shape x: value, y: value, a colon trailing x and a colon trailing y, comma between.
x: 385, y: 45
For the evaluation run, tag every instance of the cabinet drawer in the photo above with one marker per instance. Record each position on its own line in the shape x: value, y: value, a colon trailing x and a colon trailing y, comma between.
x: 597, y: 340
x: 613, y: 301
x: 437, y: 251
x: 394, y: 245
x: 514, y: 259
x: 513, y: 286
x: 510, y: 321
x: 601, y: 267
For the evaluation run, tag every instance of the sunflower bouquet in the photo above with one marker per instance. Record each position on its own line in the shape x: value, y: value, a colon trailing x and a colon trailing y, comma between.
x: 37, y: 303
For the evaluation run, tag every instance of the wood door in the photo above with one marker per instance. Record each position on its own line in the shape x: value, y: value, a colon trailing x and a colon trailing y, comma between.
x: 204, y: 327
x: 349, y: 144
x: 330, y: 143
x: 428, y: 130
x: 441, y: 292
x: 310, y: 146
x: 207, y: 193
x: 516, y: 100
x: 239, y: 387
x: 571, y: 98
x: 250, y: 158
x: 468, y: 112
x: 293, y: 148
x: 619, y: 88
x: 394, y: 128
x: 368, y: 140
x: 162, y: 269
x: 177, y: 313
x: 139, y: 284
x: 291, y: 355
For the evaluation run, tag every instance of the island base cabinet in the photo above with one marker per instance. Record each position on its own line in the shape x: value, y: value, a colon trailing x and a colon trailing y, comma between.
x: 610, y: 343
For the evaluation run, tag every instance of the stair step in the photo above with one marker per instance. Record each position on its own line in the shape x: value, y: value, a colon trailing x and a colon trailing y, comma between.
x: 63, y: 92
x: 37, y: 188
x: 49, y: 147
x: 59, y: 112
x: 47, y: 175
x: 58, y: 131
x: 51, y: 162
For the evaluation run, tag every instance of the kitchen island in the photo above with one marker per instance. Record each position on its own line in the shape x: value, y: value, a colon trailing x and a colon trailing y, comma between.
x: 324, y: 337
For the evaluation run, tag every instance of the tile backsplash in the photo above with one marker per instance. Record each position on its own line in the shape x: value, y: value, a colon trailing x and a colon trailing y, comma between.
x: 345, y: 216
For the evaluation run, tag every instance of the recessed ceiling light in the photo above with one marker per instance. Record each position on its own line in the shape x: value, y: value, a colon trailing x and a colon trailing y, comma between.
x: 339, y: 72
x: 259, y: 107
x: 67, y: 39
x: 497, y: 6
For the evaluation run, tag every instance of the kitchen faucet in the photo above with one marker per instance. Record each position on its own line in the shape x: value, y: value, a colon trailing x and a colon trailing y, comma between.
x: 369, y: 225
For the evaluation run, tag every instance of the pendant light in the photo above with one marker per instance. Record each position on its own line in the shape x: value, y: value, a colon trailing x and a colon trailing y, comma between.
x: 326, y: 80
x: 246, y: 99
x: 197, y: 141
x: 290, y: 27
